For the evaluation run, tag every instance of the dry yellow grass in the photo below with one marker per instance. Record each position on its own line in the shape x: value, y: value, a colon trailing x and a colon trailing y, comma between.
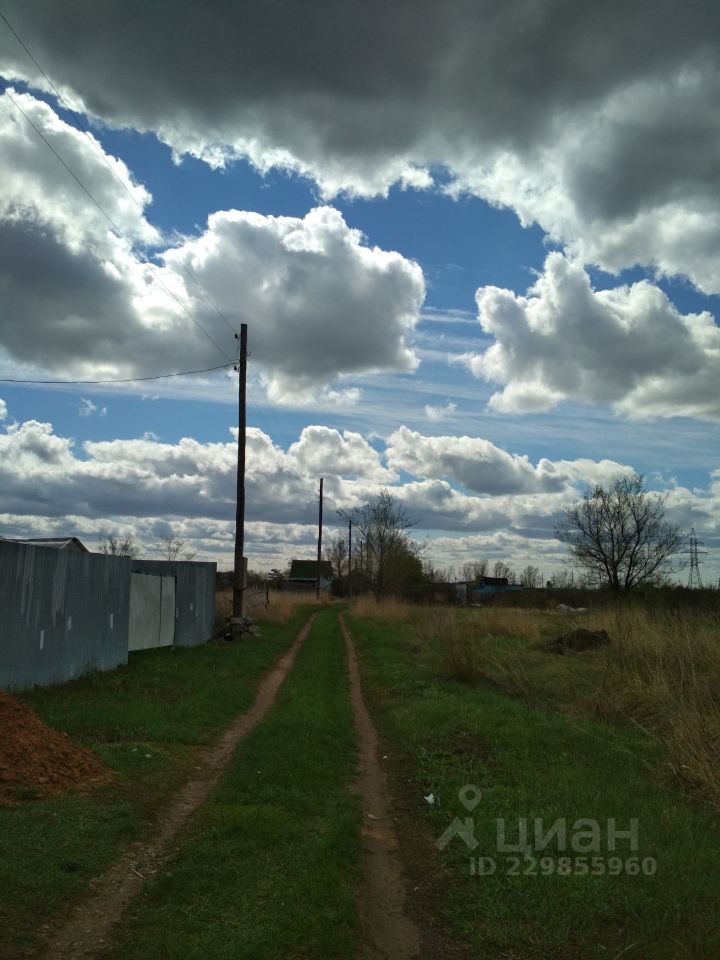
x: 661, y: 671
x: 664, y: 673
x: 280, y: 609
x: 388, y: 609
x: 283, y: 605
x: 507, y: 622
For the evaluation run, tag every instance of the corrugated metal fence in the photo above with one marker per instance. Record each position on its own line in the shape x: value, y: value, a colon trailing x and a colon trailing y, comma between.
x: 194, y: 596
x: 64, y: 613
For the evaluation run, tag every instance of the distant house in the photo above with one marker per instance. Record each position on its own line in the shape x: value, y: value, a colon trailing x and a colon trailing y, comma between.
x: 484, y: 588
x: 306, y: 571
x: 492, y: 586
x: 57, y: 543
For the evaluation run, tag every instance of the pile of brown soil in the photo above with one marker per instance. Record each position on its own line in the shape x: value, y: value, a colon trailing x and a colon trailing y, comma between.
x: 36, y: 756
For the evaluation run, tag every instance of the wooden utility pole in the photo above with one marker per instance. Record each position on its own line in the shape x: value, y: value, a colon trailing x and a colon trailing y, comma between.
x: 317, y: 581
x: 350, y: 558
x: 348, y: 517
x: 239, y: 575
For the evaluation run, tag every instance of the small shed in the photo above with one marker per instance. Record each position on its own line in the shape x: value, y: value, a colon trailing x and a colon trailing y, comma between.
x: 306, y: 572
x: 57, y: 543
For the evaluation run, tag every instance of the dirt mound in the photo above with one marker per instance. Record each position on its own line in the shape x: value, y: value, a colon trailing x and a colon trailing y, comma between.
x: 580, y: 639
x: 36, y: 756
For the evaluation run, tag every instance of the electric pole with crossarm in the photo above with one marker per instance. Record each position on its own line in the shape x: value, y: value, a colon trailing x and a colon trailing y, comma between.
x: 239, y: 570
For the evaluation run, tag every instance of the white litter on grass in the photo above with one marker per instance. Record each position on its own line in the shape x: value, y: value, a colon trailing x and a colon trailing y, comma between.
x: 430, y: 798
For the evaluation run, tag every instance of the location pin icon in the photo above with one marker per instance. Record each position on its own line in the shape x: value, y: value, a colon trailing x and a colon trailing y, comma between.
x: 470, y: 796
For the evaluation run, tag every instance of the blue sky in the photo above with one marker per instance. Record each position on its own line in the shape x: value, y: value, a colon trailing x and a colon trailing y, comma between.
x: 356, y: 262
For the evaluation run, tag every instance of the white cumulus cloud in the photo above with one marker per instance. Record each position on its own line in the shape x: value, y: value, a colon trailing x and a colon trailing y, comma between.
x: 88, y: 408
x: 440, y: 412
x: 628, y: 347
x: 486, y: 469
x: 320, y: 302
x: 455, y: 486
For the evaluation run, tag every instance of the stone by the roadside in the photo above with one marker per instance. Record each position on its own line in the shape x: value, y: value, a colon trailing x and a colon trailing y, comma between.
x: 238, y: 626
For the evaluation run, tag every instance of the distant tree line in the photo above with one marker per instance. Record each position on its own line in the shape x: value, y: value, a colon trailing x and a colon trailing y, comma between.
x: 618, y: 538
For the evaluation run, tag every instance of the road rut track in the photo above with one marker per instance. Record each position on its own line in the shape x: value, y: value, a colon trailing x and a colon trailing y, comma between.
x: 388, y: 931
x: 88, y: 929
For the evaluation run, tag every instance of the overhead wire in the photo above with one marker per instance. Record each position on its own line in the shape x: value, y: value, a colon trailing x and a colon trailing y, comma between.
x: 158, y: 376
x: 82, y: 127
x: 279, y: 429
x: 112, y: 223
x: 259, y: 412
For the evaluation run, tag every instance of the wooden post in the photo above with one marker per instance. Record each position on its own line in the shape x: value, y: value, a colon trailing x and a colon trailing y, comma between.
x: 319, y: 557
x: 348, y: 517
x: 239, y: 569
x: 350, y: 558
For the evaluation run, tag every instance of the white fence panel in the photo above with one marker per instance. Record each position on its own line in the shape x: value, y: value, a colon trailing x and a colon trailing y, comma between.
x: 152, y: 612
x: 166, y: 636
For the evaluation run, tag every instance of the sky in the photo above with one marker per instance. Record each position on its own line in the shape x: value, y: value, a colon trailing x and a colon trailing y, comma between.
x: 475, y: 245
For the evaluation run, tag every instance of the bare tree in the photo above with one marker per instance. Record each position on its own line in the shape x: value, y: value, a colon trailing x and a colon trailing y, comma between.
x: 172, y: 548
x: 448, y: 575
x: 561, y: 580
x: 116, y: 546
x: 392, y: 559
x: 530, y: 576
x: 502, y: 569
x: 337, y: 555
x: 619, y: 536
x: 475, y: 570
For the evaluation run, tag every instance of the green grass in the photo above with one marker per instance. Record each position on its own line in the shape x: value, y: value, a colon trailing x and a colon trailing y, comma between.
x: 536, y: 762
x: 268, y: 867
x: 147, y: 722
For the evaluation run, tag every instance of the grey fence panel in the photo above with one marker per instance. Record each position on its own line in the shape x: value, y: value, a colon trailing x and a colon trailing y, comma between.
x: 145, y: 599
x: 194, y: 596
x: 62, y: 613
x: 166, y: 635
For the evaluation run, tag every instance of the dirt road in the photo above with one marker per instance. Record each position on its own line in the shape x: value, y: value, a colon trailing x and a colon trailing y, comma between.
x: 90, y: 924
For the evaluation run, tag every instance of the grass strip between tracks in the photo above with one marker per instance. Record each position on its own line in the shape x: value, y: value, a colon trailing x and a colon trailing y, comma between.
x: 269, y: 866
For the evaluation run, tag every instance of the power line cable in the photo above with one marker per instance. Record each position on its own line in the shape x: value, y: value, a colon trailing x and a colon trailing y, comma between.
x: 84, y: 130
x: 259, y: 412
x: 279, y: 428
x: 107, y: 216
x: 159, y: 376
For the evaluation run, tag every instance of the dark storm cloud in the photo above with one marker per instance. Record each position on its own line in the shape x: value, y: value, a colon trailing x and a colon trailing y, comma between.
x: 597, y: 120
x: 79, y: 300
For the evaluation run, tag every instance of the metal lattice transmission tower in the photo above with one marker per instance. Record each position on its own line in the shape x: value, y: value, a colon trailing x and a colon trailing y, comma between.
x: 694, y: 578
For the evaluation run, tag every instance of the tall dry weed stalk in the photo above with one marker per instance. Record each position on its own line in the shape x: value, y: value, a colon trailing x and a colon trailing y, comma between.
x: 388, y: 609
x: 453, y: 644
x: 663, y: 672
x: 507, y: 622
